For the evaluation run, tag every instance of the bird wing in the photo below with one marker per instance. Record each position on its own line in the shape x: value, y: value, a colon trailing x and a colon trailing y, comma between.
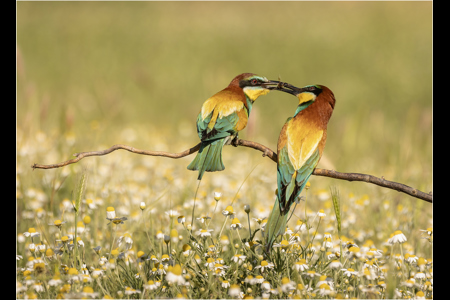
x: 298, y: 155
x: 221, y: 116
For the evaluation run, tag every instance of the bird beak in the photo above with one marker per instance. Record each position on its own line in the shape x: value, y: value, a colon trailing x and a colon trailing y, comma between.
x: 271, y: 84
x: 288, y: 88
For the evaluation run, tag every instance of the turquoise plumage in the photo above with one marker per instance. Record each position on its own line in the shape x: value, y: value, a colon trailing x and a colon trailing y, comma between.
x: 300, y: 147
x: 223, y: 116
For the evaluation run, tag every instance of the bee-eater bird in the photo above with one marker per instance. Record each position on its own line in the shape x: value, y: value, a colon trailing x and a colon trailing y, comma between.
x: 222, y: 116
x: 300, y: 147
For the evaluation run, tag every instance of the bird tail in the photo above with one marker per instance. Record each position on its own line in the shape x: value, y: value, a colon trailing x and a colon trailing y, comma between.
x: 209, y: 158
x: 276, y: 225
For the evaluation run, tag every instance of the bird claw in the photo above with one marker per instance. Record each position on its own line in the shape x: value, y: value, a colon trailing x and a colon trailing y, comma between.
x: 235, y: 141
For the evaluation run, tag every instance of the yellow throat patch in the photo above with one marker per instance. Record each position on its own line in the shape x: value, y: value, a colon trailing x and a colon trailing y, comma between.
x: 254, y: 92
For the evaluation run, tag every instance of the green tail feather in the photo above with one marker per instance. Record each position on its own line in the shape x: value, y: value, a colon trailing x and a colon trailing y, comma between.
x: 276, y: 225
x: 209, y: 158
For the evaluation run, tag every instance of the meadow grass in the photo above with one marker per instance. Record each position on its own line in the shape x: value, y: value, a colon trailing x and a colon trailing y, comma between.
x: 94, y: 74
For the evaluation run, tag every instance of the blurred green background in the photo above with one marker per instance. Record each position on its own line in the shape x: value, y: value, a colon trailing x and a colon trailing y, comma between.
x: 91, y: 69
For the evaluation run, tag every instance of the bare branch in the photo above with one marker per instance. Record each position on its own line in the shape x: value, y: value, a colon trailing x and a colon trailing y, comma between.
x: 266, y: 152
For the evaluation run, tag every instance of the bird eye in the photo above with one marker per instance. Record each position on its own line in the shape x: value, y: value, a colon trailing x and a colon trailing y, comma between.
x: 254, y: 82
x: 312, y: 88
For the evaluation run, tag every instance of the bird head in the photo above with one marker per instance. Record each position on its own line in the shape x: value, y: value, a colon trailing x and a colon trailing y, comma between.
x: 254, y: 85
x: 308, y: 94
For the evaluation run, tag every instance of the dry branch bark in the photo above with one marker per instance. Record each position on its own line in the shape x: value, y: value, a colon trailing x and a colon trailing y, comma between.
x: 266, y: 152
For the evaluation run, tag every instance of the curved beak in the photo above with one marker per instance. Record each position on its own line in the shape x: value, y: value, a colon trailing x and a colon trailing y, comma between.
x: 288, y: 88
x: 271, y: 84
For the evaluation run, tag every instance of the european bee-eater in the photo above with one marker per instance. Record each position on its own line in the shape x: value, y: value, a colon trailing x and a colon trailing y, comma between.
x: 300, y: 147
x: 222, y: 116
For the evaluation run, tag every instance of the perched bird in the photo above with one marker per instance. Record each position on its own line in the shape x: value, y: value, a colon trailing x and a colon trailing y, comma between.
x: 300, y: 147
x: 222, y: 116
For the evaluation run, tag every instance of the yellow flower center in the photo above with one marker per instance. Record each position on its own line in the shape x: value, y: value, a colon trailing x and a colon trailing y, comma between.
x: 229, y: 209
x: 264, y: 263
x: 177, y: 270
x: 88, y: 289
x: 73, y: 271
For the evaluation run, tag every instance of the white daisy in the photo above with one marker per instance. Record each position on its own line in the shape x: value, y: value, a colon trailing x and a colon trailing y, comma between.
x: 398, y: 237
x: 204, y: 233
x: 265, y: 265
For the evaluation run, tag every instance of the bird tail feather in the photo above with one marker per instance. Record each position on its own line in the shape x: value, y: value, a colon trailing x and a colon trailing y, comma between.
x: 208, y: 158
x: 276, y: 224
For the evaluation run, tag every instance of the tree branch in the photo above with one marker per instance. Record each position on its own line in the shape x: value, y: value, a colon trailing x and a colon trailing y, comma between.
x: 266, y: 152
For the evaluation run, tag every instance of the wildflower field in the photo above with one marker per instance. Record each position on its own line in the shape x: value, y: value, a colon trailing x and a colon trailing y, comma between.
x: 90, y: 75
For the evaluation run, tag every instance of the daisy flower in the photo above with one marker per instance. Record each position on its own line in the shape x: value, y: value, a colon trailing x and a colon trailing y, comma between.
x: 55, y: 281
x: 175, y: 275
x: 300, y: 226
x: 217, y: 196
x: 324, y: 289
x: 265, y: 286
x: 131, y: 291
x: 88, y: 292
x: 225, y: 284
x: 31, y: 233
x: 259, y: 220
x: 97, y: 273
x: 335, y: 264
x: 238, y: 258
x: 284, y: 245
x: 311, y: 274
x: 420, y: 295
x: 228, y: 212
x: 151, y: 285
x: 186, y: 250
x: 321, y: 214
x: 172, y: 213
x: 219, y: 269
x: 110, y: 212
x: 57, y: 223
x: 265, y: 265
x: 349, y: 272
x: 287, y: 285
x: 90, y: 203
x: 411, y: 258
x: 204, y: 233
x: 397, y: 237
x: 327, y: 243
x: 142, y: 206
x: 301, y: 265
x: 420, y: 275
x: 210, y: 262
x: 181, y: 219
x: 236, y: 224
x: 235, y: 291
x: 203, y: 219
x: 117, y: 220
x: 159, y: 235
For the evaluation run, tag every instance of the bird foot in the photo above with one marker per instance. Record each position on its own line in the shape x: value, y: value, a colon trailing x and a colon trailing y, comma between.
x: 235, y: 141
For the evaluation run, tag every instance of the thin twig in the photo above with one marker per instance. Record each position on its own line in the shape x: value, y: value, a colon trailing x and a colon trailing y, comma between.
x: 266, y: 152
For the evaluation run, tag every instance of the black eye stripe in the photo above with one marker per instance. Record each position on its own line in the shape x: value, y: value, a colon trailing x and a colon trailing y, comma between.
x: 251, y: 82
